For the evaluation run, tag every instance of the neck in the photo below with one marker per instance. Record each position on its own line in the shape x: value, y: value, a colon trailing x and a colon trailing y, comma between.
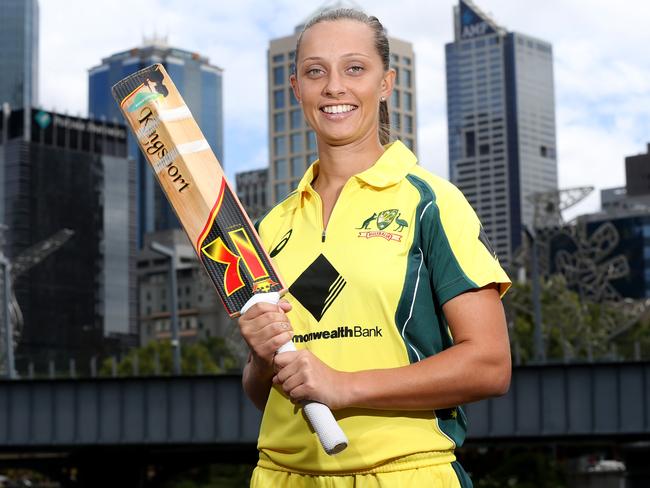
x: 337, y: 164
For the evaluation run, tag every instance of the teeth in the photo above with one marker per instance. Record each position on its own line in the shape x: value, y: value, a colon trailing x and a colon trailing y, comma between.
x: 338, y: 109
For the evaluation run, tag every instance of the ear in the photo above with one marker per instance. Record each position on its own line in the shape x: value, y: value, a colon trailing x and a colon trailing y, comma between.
x: 294, y: 86
x: 387, y: 83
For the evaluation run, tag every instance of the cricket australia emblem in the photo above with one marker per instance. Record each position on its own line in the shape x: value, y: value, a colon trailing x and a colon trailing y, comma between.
x: 384, y: 221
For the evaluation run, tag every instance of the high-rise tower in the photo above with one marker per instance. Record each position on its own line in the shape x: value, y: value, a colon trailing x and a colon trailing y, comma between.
x: 501, y: 122
x: 19, y: 53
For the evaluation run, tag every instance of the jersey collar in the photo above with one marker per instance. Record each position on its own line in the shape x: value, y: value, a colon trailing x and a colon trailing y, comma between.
x: 389, y: 169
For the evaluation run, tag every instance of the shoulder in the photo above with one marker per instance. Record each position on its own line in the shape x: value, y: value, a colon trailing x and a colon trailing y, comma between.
x: 443, y: 194
x: 278, y: 212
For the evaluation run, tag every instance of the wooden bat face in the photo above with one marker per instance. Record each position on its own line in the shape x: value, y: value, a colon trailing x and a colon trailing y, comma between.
x: 196, y: 187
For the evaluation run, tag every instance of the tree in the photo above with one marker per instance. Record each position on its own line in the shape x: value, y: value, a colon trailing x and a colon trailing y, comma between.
x: 572, y: 328
x: 210, y: 356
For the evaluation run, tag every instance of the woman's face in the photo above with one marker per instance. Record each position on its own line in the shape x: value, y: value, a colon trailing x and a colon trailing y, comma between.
x: 340, y: 80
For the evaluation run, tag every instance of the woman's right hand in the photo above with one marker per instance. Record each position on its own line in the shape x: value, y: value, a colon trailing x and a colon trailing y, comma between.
x: 265, y: 327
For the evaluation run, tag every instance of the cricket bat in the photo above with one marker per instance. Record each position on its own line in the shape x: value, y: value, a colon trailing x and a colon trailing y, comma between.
x: 211, y: 214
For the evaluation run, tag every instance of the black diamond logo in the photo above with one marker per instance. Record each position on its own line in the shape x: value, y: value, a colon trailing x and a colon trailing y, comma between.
x: 318, y: 287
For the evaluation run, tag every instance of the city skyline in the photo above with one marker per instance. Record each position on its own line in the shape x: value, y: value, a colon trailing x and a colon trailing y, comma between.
x: 601, y: 90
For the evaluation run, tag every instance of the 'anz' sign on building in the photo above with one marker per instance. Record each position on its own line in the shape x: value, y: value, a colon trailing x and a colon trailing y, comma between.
x: 472, y: 24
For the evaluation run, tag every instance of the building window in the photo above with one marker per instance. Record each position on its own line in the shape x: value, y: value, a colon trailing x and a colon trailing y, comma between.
x: 394, y: 99
x: 293, y: 99
x: 279, y: 122
x: 311, y: 141
x: 278, y: 75
x: 470, y: 144
x: 296, y: 142
x: 406, y: 60
x: 408, y: 102
x: 296, y: 119
x: 278, y: 58
x: 396, y: 75
x: 408, y: 142
x: 280, y: 143
x: 278, y: 99
x: 406, y: 74
x: 484, y: 149
x: 311, y: 158
x: 281, y: 169
x: 297, y: 166
x: 281, y: 190
x: 408, y: 124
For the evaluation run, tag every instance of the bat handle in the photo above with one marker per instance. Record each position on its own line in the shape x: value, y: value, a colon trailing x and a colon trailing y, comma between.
x: 330, y: 434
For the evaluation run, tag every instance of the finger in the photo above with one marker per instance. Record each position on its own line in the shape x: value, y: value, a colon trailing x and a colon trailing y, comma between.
x: 257, y: 326
x: 284, y: 305
x: 283, y: 361
x: 259, y: 309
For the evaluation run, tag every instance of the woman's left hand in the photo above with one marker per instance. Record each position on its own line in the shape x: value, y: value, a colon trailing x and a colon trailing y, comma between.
x: 303, y: 377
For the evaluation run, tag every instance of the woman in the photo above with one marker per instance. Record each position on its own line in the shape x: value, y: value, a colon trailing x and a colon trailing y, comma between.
x: 394, y: 299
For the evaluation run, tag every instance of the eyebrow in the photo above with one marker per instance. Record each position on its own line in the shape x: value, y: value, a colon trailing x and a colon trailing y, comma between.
x: 347, y: 55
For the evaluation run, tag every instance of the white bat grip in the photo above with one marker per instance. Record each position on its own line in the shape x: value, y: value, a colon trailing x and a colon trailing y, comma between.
x: 330, y: 434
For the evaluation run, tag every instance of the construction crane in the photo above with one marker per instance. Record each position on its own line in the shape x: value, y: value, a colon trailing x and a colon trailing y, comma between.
x: 26, y: 260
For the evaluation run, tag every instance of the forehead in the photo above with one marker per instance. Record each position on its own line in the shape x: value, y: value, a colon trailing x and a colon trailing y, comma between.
x: 337, y: 37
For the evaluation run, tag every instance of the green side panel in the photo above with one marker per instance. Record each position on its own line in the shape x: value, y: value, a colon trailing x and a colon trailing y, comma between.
x: 463, y: 477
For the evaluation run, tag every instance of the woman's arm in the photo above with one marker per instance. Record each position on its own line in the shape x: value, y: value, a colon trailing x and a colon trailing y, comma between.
x: 265, y: 328
x: 477, y: 366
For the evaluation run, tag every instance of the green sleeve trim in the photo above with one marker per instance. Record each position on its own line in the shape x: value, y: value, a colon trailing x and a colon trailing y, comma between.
x: 434, y: 239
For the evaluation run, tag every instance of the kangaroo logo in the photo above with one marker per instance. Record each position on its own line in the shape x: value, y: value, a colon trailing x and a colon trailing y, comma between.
x: 383, y: 220
x: 366, y: 222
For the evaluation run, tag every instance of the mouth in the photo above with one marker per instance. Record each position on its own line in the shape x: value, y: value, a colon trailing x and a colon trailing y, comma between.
x: 338, y: 109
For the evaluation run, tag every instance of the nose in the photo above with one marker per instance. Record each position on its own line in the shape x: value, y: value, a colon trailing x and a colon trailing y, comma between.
x: 334, y: 86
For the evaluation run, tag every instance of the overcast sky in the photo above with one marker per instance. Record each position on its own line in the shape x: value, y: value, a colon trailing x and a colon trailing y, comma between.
x: 601, y: 65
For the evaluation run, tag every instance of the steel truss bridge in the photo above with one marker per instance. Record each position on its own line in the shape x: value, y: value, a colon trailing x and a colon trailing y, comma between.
x: 136, y: 432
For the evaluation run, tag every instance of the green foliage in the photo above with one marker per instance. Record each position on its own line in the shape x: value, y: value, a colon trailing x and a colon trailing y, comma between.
x: 210, y: 356
x: 523, y: 469
x: 574, y: 329
x: 213, y: 476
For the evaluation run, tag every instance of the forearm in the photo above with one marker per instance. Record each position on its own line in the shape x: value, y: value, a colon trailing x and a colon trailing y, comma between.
x: 453, y: 377
x: 256, y: 383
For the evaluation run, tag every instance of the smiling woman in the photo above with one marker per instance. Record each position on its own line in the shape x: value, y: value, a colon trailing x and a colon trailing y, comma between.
x: 394, y: 298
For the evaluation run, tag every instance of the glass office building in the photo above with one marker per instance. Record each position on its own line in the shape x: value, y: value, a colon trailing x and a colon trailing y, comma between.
x: 200, y: 84
x: 70, y: 173
x: 501, y: 123
x: 19, y: 52
x: 292, y: 144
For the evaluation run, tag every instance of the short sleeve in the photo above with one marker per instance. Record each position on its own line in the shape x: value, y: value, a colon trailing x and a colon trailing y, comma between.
x: 458, y: 253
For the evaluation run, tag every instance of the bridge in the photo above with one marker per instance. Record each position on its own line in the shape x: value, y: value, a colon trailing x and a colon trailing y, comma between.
x: 135, y: 432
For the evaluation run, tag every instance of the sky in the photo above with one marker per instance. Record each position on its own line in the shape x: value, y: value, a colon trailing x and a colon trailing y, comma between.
x: 601, y: 67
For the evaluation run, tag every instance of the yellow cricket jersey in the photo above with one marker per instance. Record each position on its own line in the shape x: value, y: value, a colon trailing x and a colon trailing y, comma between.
x: 367, y: 293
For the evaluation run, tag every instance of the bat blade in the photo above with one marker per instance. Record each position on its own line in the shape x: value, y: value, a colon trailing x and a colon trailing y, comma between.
x: 211, y: 214
x: 195, y: 185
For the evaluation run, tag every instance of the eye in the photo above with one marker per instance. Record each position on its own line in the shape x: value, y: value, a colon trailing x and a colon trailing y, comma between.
x: 356, y: 69
x: 313, y: 72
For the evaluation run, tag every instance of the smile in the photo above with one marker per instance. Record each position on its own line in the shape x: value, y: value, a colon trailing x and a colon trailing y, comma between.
x: 338, y: 109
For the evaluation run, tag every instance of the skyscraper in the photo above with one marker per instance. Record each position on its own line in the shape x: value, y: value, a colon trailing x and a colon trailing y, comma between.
x: 19, y: 52
x: 200, y: 84
x: 292, y: 144
x: 501, y: 123
x: 70, y: 173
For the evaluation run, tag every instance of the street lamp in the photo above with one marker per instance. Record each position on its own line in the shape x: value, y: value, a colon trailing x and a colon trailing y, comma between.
x: 539, y: 349
x: 176, y: 345
x: 9, y: 339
